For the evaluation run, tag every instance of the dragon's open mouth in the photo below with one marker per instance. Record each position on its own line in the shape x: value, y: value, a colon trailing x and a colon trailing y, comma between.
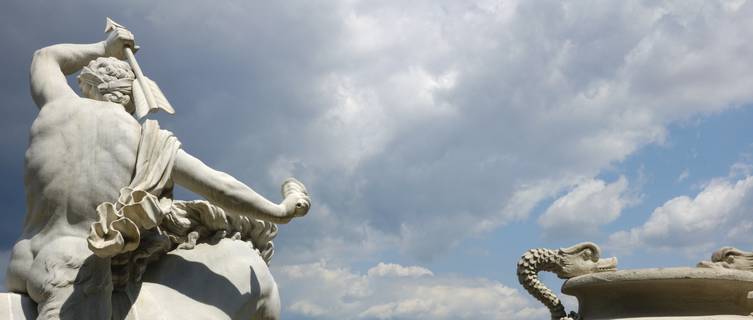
x: 605, y: 265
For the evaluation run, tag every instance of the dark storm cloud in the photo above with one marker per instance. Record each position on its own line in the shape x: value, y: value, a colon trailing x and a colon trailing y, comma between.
x: 216, y: 69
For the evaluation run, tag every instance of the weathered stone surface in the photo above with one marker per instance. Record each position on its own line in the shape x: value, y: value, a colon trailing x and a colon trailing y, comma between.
x: 663, y: 293
x: 580, y: 259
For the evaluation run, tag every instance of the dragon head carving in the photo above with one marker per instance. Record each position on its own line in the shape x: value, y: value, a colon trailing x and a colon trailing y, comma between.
x: 580, y: 259
x: 583, y: 258
x: 730, y: 258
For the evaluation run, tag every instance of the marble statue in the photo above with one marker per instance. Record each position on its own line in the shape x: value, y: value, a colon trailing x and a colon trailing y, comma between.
x: 103, y: 237
x: 580, y: 259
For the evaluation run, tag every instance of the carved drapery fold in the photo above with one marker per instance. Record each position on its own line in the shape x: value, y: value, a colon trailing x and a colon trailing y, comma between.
x: 147, y: 203
x: 120, y: 224
x: 144, y: 202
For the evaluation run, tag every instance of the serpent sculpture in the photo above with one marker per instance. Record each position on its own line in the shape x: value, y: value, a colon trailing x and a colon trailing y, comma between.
x: 580, y: 259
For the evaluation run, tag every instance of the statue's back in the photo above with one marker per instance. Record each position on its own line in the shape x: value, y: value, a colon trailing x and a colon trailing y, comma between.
x: 81, y: 152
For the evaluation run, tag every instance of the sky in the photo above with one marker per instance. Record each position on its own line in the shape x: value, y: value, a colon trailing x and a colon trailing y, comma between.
x: 439, y: 139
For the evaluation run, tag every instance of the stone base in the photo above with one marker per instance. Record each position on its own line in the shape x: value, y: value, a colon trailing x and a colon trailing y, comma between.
x: 14, y: 306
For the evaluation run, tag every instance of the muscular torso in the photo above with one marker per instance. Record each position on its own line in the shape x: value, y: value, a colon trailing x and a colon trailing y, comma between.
x: 81, y: 152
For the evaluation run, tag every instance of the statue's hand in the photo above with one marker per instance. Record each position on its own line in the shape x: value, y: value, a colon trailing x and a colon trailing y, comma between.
x: 296, y: 202
x: 117, y: 40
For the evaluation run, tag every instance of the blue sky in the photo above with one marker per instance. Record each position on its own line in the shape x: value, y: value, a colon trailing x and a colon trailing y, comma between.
x: 439, y: 139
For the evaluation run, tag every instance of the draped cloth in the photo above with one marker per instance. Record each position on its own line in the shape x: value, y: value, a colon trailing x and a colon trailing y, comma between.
x: 144, y: 202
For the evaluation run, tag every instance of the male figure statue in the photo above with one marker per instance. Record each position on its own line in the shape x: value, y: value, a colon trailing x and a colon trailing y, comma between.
x: 82, y: 153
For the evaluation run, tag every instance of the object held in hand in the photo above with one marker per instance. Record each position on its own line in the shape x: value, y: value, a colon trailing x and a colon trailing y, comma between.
x: 291, y: 188
x: 147, y: 96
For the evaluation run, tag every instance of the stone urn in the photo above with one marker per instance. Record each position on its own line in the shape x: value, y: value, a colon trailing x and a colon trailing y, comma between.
x: 717, y: 289
x: 664, y: 293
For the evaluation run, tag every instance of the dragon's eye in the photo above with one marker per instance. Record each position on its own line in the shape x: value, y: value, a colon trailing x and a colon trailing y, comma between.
x: 587, y: 253
x: 730, y: 258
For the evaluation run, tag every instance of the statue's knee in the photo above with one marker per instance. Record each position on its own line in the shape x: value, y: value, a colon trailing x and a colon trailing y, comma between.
x: 270, y: 307
x: 19, y: 266
x: 52, y: 269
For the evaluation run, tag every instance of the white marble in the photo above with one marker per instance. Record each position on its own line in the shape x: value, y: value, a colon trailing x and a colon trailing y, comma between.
x: 103, y: 237
x: 228, y: 280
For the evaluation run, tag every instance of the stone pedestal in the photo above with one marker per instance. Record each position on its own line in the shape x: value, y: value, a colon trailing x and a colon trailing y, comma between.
x: 664, y: 293
x: 14, y: 306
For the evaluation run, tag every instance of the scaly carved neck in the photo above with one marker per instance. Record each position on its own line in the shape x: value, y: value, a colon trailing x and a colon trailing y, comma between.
x: 529, y: 266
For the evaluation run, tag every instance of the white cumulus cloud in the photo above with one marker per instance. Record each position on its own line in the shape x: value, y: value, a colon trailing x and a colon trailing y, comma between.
x: 589, y: 205
x: 442, y: 119
x: 395, y: 270
x: 322, y: 291
x: 718, y: 215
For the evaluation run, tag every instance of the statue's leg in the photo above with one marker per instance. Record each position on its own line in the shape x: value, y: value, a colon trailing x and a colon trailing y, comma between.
x: 226, y: 280
x: 19, y: 267
x: 269, y: 309
x: 68, y: 282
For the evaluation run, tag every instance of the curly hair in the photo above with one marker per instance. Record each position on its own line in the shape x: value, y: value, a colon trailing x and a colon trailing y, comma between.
x: 110, y: 76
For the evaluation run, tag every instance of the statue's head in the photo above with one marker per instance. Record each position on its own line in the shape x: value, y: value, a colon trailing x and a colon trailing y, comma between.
x: 108, y: 79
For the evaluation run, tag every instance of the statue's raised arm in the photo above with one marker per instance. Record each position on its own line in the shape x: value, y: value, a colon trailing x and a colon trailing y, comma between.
x: 51, y: 64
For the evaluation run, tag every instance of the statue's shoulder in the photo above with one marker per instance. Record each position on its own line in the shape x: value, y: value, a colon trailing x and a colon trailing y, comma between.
x: 54, y: 112
x: 67, y: 106
x: 151, y: 128
x: 76, y: 112
x: 81, y: 104
x: 61, y: 104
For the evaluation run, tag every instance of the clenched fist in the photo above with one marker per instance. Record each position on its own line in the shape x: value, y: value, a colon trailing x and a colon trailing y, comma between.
x: 117, y: 40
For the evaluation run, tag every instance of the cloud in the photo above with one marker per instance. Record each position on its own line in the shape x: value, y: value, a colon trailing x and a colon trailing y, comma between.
x: 718, y: 215
x: 414, y: 125
x: 447, y: 119
x: 683, y: 175
x: 395, y: 270
x: 392, y: 291
x: 589, y: 205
